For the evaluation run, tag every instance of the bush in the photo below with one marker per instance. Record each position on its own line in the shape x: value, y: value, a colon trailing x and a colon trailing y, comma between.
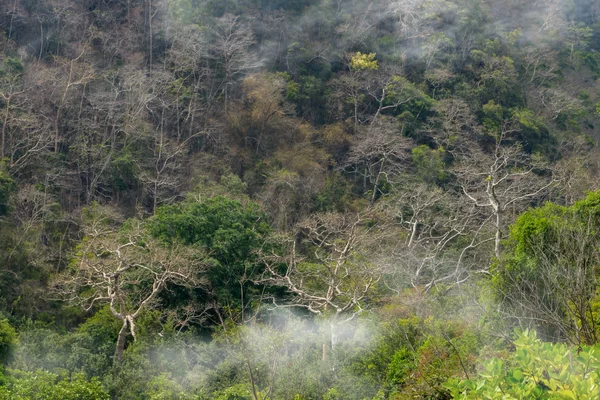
x: 8, y: 338
x: 536, y: 370
x: 48, y: 386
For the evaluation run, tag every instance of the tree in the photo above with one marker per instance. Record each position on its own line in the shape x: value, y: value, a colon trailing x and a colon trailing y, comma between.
x: 229, y: 233
x: 162, y: 146
x: 70, y: 74
x: 380, y: 154
x: 43, y: 384
x: 578, y: 36
x: 231, y: 52
x: 438, y: 238
x: 503, y: 180
x: 337, y: 278
x: 125, y: 268
x: 549, y: 276
x: 23, y: 133
x: 265, y: 124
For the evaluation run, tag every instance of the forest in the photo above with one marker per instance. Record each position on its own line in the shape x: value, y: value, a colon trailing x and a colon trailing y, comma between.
x: 299, y: 199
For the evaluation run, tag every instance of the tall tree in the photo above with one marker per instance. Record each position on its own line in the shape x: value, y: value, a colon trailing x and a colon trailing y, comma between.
x: 125, y: 268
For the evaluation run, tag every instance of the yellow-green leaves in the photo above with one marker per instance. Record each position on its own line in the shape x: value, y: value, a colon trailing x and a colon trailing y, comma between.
x: 537, y: 370
x: 364, y: 62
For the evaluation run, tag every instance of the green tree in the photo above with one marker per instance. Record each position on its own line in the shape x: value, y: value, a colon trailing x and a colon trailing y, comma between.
x: 429, y: 163
x: 229, y: 232
x: 549, y: 274
x: 7, y: 186
x: 8, y: 340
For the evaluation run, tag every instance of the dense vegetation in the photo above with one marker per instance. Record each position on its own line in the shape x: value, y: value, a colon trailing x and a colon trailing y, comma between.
x: 299, y: 199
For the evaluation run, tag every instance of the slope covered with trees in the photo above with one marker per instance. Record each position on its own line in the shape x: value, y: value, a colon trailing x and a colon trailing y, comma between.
x: 299, y: 199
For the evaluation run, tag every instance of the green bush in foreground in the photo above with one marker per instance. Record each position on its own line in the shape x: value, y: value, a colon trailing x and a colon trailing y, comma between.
x: 536, y: 370
x: 41, y: 385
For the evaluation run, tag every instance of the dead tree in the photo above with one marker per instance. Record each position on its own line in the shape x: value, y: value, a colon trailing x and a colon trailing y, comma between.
x: 436, y: 234
x: 503, y: 181
x: 127, y: 270
x: 380, y: 152
x: 337, y: 278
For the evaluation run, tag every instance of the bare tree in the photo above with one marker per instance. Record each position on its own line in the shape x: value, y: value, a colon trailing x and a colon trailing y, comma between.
x: 70, y: 74
x: 338, y: 278
x: 504, y: 181
x: 231, y: 52
x: 196, y: 91
x: 438, y: 235
x: 380, y: 152
x: 23, y: 134
x: 127, y: 270
x: 147, y: 107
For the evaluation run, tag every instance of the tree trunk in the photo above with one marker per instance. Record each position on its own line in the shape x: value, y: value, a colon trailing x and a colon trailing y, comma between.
x: 498, y: 238
x: 121, y: 342
x: 150, y: 44
x: 329, y: 345
x: 6, y: 115
x: 325, y: 351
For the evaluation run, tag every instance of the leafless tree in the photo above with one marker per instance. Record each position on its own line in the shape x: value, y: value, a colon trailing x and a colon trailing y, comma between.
x: 127, y: 270
x: 412, y: 16
x: 147, y: 105
x: 70, y: 74
x: 541, y: 65
x: 379, y: 152
x: 503, y: 181
x: 231, y: 51
x: 196, y: 91
x: 338, y: 278
x: 23, y: 134
x: 556, y: 102
x: 438, y: 236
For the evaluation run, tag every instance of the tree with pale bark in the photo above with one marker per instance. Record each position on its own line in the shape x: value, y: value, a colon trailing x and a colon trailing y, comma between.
x: 503, y: 181
x: 126, y: 269
x: 336, y: 278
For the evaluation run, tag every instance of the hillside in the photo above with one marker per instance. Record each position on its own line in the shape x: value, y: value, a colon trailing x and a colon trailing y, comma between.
x: 299, y: 199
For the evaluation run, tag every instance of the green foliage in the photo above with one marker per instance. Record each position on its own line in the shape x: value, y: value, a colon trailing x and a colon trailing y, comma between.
x: 226, y: 230
x: 551, y: 263
x: 41, y: 347
x: 413, y: 357
x: 335, y: 196
x: 40, y: 385
x: 429, y: 163
x: 8, y: 340
x: 310, y: 97
x: 230, y: 185
x: 533, y: 132
x: 11, y: 67
x: 92, y: 345
x: 535, y: 370
x: 164, y: 387
x: 123, y: 172
x: 7, y: 186
x: 237, y: 392
x: 229, y: 230
x: 493, y: 116
x: 222, y: 101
